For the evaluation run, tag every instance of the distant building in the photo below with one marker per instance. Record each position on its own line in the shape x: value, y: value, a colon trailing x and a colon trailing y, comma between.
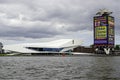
x: 83, y: 49
x: 1, y: 46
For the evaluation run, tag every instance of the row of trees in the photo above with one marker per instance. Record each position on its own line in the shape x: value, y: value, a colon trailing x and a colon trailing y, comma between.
x: 117, y: 47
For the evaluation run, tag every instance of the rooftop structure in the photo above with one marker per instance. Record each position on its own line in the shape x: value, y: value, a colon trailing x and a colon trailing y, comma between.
x: 103, y: 12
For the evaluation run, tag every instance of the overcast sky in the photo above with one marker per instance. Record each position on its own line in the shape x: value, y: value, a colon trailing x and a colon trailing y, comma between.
x: 43, y: 20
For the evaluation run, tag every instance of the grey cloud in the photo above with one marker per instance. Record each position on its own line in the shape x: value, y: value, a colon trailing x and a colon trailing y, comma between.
x: 76, y: 15
x: 34, y: 32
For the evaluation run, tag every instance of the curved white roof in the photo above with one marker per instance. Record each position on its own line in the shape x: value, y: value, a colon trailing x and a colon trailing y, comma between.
x: 62, y: 43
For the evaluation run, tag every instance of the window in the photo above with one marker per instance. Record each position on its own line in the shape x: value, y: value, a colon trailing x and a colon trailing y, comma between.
x: 45, y: 49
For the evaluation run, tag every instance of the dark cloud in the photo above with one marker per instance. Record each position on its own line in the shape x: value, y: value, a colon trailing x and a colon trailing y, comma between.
x: 34, y: 32
x: 44, y: 18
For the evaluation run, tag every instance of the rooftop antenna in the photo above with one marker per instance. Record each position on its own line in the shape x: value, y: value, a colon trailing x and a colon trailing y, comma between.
x: 103, y: 12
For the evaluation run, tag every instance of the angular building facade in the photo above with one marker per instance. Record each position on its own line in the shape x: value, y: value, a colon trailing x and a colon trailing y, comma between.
x: 57, y: 46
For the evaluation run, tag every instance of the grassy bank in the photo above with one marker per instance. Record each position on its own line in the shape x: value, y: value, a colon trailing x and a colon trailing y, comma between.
x: 3, y: 54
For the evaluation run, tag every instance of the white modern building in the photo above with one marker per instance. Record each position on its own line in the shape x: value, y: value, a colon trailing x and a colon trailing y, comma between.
x: 57, y: 46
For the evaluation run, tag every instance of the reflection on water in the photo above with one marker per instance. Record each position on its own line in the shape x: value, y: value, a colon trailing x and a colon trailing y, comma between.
x: 105, y: 68
x: 60, y: 68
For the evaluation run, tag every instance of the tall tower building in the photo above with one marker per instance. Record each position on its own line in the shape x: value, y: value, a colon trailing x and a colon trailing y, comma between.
x: 104, y: 34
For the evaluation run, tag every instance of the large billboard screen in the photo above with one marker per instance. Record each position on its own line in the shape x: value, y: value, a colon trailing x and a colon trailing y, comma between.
x: 100, y: 30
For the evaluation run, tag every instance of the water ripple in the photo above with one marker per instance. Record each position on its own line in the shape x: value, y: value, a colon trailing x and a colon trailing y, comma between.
x: 59, y: 68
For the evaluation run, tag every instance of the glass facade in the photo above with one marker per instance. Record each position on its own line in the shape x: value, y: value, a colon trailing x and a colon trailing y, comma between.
x: 45, y: 49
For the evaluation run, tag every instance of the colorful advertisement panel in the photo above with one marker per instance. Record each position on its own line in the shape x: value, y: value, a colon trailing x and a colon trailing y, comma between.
x: 100, y: 30
x: 110, y: 30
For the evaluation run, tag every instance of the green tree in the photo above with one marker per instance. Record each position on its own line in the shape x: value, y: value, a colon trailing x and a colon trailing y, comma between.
x: 117, y: 47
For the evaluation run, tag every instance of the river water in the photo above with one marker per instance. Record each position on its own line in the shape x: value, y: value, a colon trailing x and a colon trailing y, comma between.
x: 60, y: 68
